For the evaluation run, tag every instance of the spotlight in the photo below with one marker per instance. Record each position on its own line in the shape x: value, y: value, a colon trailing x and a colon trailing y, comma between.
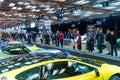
x: 60, y: 15
x: 104, y: 4
x: 104, y: 20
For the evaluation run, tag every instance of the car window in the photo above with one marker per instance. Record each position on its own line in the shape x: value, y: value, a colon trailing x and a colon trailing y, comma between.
x: 26, y: 50
x: 37, y: 73
x: 55, y: 70
x: 27, y: 75
x: 68, y: 69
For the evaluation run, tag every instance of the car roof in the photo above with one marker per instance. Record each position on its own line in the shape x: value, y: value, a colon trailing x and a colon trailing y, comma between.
x: 12, y: 63
x: 16, y: 62
x: 8, y: 47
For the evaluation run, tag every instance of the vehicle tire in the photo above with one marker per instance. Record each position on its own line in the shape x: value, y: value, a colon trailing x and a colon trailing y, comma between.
x: 115, y: 77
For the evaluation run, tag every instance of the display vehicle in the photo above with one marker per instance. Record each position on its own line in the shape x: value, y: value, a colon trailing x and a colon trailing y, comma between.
x: 56, y: 67
x: 22, y: 48
x: 118, y: 42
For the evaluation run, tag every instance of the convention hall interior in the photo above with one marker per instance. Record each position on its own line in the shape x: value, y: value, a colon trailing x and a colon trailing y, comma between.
x: 59, y: 39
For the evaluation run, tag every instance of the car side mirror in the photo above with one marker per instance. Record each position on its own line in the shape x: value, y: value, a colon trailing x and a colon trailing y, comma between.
x: 97, y: 72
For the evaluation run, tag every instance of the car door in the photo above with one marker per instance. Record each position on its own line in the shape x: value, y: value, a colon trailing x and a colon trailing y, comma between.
x: 67, y: 70
x: 36, y: 73
x: 62, y: 70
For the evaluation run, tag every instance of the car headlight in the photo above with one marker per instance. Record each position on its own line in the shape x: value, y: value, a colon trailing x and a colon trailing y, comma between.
x: 4, y: 78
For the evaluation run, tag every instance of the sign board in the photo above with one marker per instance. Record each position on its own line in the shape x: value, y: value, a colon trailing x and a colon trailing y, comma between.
x: 47, y: 24
x: 90, y: 29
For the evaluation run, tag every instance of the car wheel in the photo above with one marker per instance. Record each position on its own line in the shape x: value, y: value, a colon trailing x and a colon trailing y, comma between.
x: 115, y: 77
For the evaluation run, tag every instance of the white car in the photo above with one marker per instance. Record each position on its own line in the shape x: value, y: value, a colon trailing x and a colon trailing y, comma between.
x: 84, y: 39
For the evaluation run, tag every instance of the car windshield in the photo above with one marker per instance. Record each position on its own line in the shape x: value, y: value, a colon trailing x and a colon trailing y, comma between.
x: 91, y: 61
x: 34, y: 48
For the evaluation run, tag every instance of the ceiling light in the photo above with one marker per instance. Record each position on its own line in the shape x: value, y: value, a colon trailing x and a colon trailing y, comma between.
x: 60, y: 15
x: 30, y: 15
x: 42, y: 5
x: 117, y: 9
x: 37, y: 10
x: 26, y: 3
x: 54, y: 17
x: 33, y: 10
x: 9, y: 15
x: 29, y: 6
x: 3, y: 13
x: 1, y: 0
x: 99, y: 13
x: 79, y: 2
x: 97, y: 5
x: 34, y: 16
x: 16, y: 14
x: 85, y: 2
x: 19, y: 8
x: 115, y: 3
x: 34, y: 7
x: 14, y: 8
x: 51, y: 11
x: 46, y: 8
x: 104, y: 4
x: 111, y: 7
x: 65, y: 18
x: 66, y: 13
x: 101, y: 1
x: 11, y: 4
x: 23, y: 16
x: 20, y: 3
x: 20, y: 15
x: 60, y: 0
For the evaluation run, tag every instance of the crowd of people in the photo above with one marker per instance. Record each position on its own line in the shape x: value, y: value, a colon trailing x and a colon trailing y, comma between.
x: 108, y: 41
x: 45, y: 37
x: 57, y: 39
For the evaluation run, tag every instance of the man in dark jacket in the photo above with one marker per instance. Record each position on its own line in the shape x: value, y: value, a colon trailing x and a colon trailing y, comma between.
x: 100, y: 41
x: 113, y: 43
x: 107, y: 38
x: 47, y: 38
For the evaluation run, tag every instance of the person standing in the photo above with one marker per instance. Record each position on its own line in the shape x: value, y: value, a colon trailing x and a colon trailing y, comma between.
x: 57, y: 38
x: 41, y: 37
x: 113, y: 43
x: 47, y: 38
x: 34, y: 36
x: 107, y: 38
x: 90, y: 43
x: 53, y: 38
x: 29, y: 37
x: 79, y: 45
x: 100, y: 41
x: 97, y: 35
x: 61, y: 37
x: 73, y: 41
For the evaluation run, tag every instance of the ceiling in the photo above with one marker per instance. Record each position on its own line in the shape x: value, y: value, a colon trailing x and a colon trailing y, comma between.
x: 58, y: 11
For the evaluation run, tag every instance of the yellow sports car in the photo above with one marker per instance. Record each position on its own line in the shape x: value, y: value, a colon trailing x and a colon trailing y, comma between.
x: 35, y: 49
x: 13, y: 50
x: 56, y: 67
x: 15, y: 43
x: 16, y: 47
x: 29, y: 48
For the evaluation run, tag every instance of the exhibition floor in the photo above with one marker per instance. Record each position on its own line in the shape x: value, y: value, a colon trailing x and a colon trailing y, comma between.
x: 84, y: 48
